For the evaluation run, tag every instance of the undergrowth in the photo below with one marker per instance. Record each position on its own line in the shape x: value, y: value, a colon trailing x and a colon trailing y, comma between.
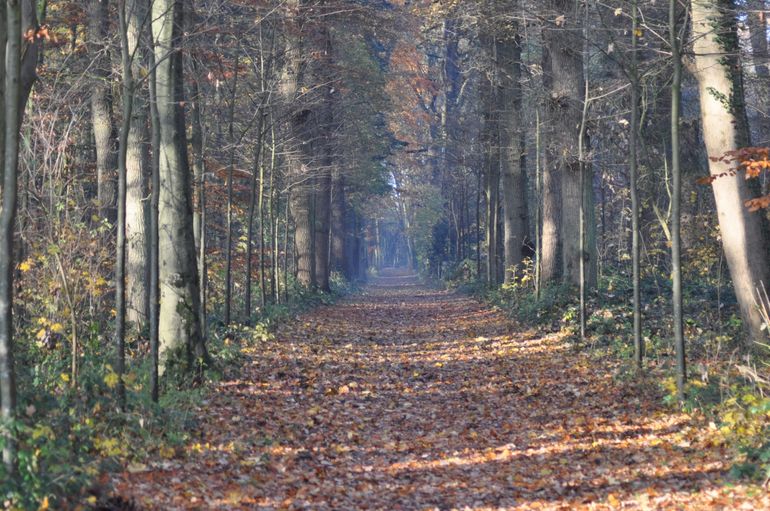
x: 70, y: 436
x: 728, y: 385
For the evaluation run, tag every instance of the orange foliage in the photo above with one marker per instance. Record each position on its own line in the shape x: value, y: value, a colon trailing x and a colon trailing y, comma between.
x: 753, y: 161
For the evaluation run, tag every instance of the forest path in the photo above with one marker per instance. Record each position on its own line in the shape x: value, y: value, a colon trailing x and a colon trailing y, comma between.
x: 405, y: 398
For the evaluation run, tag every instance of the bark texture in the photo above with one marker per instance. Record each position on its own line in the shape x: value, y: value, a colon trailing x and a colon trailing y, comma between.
x: 566, y: 88
x: 725, y: 129
x: 101, y: 108
x: 513, y: 177
x: 137, y: 177
x: 179, y: 325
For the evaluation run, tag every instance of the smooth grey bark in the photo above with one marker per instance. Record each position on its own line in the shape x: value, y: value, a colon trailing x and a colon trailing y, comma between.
x: 633, y: 142
x: 180, y: 337
x: 757, y: 22
x: 101, y: 108
x: 255, y: 200
x: 550, y: 196
x: 491, y: 145
x: 137, y: 172
x: 725, y: 129
x: 199, y: 190
x: 121, y: 248
x: 676, y: 201
x: 230, y: 168
x: 19, y: 74
x: 154, y: 251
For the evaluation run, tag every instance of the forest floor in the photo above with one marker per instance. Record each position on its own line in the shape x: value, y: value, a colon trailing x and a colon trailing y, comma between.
x: 404, y: 397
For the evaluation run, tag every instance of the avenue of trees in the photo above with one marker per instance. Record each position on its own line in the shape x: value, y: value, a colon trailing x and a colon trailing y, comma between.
x: 572, y: 145
x: 173, y: 168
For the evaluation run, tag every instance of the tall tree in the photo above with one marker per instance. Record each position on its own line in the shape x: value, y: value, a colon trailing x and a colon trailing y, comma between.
x: 491, y: 141
x: 323, y: 208
x: 18, y: 74
x: 137, y: 173
x: 676, y: 198
x: 101, y: 106
x: 756, y: 18
x: 297, y: 134
x: 566, y: 87
x: 513, y: 177
x: 181, y: 340
x: 633, y: 143
x: 725, y: 129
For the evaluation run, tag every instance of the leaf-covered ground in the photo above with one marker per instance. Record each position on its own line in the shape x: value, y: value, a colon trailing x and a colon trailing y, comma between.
x: 407, y: 398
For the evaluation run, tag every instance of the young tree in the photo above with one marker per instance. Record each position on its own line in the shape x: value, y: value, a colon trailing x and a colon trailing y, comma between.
x: 676, y: 198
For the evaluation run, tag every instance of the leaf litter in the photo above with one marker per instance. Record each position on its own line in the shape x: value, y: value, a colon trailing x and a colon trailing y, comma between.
x: 409, y: 398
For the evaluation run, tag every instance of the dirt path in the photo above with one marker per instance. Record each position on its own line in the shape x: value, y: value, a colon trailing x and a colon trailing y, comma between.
x: 406, y: 398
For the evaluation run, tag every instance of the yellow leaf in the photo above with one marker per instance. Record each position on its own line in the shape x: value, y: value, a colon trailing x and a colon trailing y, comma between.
x: 44, y: 505
x: 41, y: 334
x: 111, y: 379
x: 57, y: 328
x: 25, y: 266
x: 65, y: 377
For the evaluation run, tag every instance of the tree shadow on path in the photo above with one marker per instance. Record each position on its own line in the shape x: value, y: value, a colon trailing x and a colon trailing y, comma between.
x: 406, y: 398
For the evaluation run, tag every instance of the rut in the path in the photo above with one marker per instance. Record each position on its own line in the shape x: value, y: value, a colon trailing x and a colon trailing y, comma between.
x: 405, y: 397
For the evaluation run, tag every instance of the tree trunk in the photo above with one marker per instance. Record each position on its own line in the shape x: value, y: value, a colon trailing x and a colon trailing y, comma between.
x: 101, y: 108
x: 154, y: 234
x: 324, y: 74
x: 566, y: 86
x: 137, y: 164
x: 550, y: 193
x: 258, y: 175
x: 676, y: 199
x: 725, y: 129
x: 513, y: 179
x: 196, y: 144
x: 757, y: 22
x: 19, y: 74
x: 634, y: 171
x: 491, y: 144
x: 199, y: 188
x: 180, y: 336
x: 296, y: 130
x: 338, y: 221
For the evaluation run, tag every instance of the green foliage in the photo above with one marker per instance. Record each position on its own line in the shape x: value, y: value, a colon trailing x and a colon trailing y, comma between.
x: 739, y: 414
x: 69, y: 435
x: 462, y: 274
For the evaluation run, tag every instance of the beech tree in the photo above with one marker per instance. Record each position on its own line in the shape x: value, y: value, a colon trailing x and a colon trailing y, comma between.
x: 19, y: 47
x: 725, y: 129
x: 181, y: 339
